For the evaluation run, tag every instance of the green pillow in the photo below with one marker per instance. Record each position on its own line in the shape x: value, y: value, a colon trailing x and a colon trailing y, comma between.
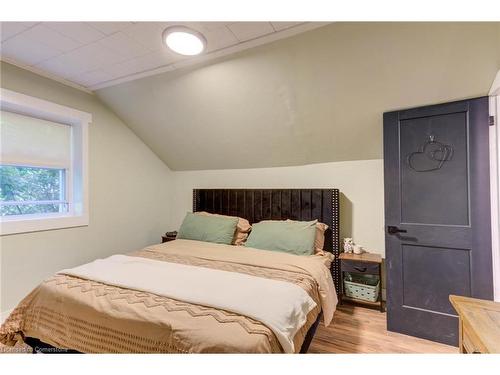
x: 208, y: 228
x: 294, y: 237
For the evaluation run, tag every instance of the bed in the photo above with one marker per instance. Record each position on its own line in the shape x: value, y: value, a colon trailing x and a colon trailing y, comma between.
x: 71, y: 313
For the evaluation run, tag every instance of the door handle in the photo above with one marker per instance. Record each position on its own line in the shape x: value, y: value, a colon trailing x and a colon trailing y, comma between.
x: 393, y: 230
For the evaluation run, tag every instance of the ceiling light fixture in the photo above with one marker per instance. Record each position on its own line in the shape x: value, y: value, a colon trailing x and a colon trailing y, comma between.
x: 184, y: 41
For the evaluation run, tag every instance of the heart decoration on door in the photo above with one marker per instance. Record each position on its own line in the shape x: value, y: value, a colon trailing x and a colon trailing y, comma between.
x: 431, y: 150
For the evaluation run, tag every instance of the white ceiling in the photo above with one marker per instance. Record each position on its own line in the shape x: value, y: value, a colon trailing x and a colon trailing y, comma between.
x: 94, y: 55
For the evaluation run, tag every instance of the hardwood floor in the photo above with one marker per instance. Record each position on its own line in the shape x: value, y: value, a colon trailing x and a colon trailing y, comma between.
x: 361, y: 330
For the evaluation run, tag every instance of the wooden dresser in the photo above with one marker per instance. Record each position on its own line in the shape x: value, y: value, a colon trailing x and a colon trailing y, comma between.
x: 479, y: 324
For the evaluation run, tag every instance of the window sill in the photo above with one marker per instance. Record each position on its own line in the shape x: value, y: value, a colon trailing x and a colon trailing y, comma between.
x: 38, y: 223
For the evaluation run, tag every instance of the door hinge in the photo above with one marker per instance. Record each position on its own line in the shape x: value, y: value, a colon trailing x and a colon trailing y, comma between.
x: 491, y: 120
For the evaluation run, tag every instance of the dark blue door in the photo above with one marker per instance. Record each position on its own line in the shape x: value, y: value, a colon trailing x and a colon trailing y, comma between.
x: 437, y: 214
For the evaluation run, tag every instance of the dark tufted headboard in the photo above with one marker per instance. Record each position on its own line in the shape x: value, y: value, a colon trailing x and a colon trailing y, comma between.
x: 278, y: 204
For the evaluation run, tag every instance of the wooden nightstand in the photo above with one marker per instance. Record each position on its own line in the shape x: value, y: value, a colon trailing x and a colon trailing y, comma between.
x: 169, y: 236
x: 362, y: 264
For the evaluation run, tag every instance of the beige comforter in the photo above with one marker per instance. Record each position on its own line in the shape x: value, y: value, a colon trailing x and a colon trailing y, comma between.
x: 91, y: 317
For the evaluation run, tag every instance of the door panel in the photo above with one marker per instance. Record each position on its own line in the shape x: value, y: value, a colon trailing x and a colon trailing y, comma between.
x: 436, y: 162
x: 445, y: 271
x: 442, y: 196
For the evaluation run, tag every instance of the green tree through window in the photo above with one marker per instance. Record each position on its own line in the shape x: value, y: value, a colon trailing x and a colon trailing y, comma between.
x: 31, y: 190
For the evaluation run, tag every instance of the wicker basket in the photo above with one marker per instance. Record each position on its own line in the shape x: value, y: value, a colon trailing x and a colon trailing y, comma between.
x: 362, y: 287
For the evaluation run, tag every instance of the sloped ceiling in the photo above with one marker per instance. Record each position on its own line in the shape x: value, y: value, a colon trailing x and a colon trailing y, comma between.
x: 315, y: 97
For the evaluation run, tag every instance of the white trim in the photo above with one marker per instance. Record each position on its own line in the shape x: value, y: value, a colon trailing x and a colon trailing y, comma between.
x: 26, y: 225
x: 77, y: 174
x: 25, y: 104
x: 46, y: 74
x: 495, y: 183
x: 294, y: 30
x: 495, y: 194
x: 22, y: 203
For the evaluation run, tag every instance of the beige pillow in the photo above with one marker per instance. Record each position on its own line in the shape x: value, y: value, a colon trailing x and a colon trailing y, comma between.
x: 243, y: 227
x: 326, y: 257
x: 319, y: 240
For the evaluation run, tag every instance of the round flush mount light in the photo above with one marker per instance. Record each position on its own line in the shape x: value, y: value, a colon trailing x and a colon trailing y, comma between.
x: 184, y: 41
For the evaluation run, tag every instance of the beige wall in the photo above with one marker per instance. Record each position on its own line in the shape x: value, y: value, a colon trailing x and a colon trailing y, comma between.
x: 314, y: 97
x: 360, y: 182
x: 129, y: 192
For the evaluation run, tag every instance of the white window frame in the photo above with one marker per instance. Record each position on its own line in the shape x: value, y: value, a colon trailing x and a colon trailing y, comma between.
x: 495, y: 183
x: 76, y: 176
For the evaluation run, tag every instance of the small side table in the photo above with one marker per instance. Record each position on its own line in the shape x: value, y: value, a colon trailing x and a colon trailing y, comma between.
x: 169, y: 236
x: 362, y: 264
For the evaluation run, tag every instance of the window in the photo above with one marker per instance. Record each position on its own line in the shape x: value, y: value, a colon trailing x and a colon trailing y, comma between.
x: 43, y: 165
